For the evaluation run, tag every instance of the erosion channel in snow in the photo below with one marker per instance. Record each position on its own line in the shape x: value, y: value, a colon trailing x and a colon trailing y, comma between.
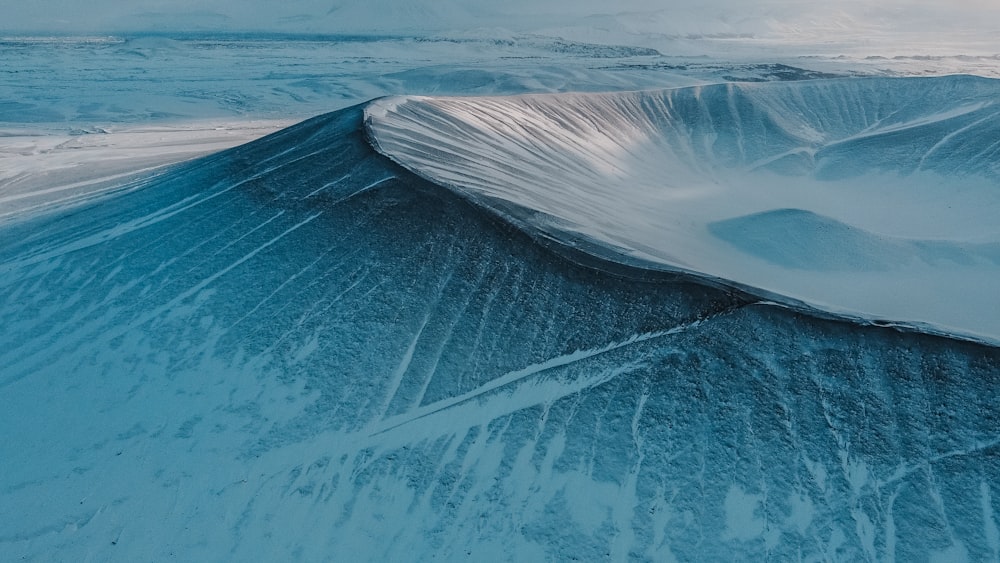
x: 872, y: 198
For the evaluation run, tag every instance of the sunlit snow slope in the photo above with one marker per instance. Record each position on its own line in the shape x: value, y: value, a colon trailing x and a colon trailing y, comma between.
x: 871, y: 198
x: 298, y: 350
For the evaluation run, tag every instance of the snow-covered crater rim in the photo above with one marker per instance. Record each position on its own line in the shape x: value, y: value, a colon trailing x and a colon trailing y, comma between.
x: 866, y: 198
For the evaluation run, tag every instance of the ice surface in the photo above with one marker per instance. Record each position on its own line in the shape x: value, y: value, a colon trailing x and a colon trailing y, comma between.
x: 871, y: 198
x: 297, y: 349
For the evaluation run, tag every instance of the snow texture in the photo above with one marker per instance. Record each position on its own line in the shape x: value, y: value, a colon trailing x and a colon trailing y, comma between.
x: 297, y: 349
x: 79, y: 115
x: 872, y: 198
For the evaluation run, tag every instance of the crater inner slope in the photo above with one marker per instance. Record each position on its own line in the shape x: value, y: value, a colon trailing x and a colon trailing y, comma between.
x: 871, y: 198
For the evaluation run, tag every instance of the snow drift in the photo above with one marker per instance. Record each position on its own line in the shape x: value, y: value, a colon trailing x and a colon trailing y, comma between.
x: 871, y: 198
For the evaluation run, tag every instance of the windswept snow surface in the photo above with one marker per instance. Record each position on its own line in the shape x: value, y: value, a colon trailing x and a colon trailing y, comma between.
x: 874, y: 198
x: 78, y: 110
x: 82, y: 114
x: 298, y: 350
x: 44, y: 169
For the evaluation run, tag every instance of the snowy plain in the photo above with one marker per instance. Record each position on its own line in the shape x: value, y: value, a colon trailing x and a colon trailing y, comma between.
x: 296, y: 349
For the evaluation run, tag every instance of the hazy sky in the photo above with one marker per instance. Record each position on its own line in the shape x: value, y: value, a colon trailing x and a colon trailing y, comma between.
x: 673, y: 16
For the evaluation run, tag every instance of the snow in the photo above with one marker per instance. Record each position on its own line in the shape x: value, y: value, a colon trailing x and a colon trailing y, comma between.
x: 141, y: 102
x: 854, y: 25
x: 42, y: 169
x: 871, y: 198
x: 68, y: 131
x: 295, y: 349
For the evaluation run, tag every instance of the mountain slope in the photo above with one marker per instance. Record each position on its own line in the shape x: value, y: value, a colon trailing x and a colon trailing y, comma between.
x: 641, y: 178
x: 297, y: 349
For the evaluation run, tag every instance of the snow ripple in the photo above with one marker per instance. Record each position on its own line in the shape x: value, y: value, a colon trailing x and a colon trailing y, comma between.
x: 871, y: 198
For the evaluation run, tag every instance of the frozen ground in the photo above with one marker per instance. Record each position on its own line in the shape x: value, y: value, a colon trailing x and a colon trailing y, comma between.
x: 297, y: 349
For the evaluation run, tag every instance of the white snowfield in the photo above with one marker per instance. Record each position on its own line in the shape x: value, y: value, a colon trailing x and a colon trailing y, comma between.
x: 40, y: 170
x: 871, y: 198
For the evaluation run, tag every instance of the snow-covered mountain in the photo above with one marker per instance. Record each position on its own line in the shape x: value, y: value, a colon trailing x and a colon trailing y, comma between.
x: 874, y: 198
x: 298, y: 349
